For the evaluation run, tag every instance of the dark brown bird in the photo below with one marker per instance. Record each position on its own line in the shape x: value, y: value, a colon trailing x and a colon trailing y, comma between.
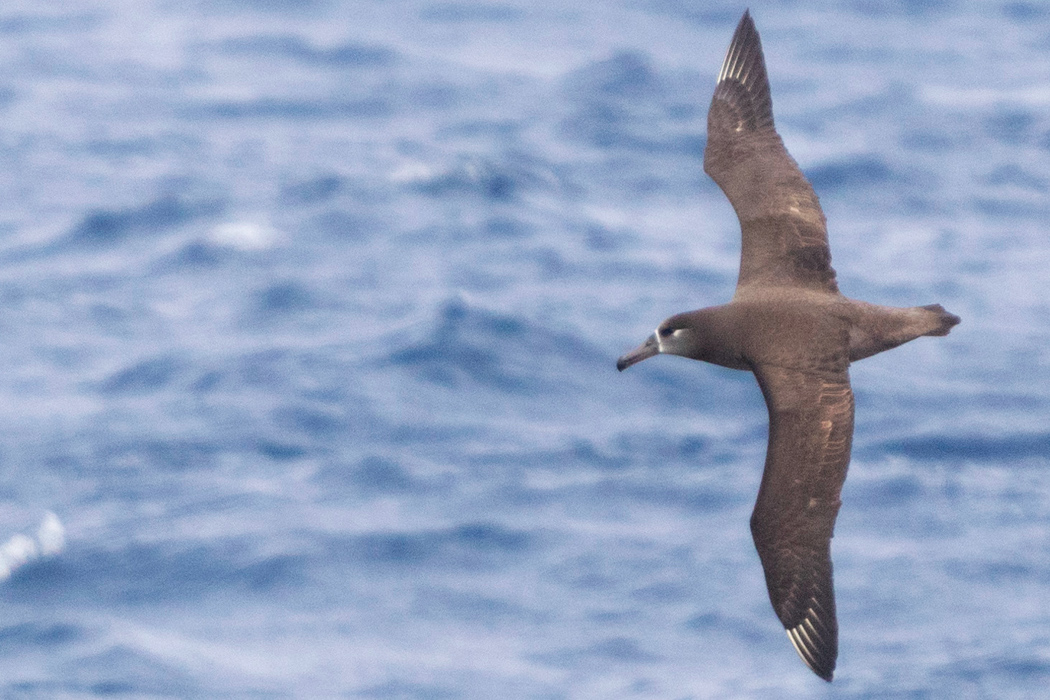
x: 787, y: 323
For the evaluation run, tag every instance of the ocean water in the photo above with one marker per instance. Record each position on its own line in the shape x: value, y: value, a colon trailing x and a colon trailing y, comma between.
x: 310, y: 311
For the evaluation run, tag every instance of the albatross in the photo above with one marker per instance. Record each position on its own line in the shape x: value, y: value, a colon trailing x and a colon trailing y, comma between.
x: 788, y: 324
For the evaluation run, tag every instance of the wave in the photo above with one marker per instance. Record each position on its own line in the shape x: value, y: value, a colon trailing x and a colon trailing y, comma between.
x: 19, y: 550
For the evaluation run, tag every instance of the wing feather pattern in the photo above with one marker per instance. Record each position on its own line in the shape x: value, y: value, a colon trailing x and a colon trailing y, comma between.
x: 784, y: 234
x: 810, y: 435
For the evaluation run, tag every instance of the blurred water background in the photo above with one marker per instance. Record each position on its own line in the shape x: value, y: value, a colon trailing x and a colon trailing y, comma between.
x: 309, y: 318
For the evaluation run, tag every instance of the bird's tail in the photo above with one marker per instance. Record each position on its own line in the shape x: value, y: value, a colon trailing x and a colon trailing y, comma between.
x: 941, y: 321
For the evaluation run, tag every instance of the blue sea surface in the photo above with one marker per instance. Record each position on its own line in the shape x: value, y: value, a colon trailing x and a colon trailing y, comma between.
x: 310, y: 313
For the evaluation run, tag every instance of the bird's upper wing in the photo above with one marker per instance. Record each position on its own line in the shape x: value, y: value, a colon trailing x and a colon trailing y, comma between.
x: 810, y: 433
x: 785, y: 241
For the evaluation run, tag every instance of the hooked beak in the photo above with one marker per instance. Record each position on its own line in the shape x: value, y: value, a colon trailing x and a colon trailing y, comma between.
x: 644, y: 351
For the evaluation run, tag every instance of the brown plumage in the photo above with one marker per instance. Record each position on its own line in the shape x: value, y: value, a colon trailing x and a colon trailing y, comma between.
x: 787, y: 323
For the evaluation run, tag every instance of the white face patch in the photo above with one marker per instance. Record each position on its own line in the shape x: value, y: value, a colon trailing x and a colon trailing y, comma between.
x: 678, y: 332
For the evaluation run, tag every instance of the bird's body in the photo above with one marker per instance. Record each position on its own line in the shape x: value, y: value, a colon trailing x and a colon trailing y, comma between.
x: 789, y: 325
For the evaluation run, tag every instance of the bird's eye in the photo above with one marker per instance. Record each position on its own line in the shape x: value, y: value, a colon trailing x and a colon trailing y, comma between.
x: 666, y: 331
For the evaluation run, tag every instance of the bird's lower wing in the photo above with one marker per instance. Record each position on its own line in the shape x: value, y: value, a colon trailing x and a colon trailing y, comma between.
x: 810, y: 434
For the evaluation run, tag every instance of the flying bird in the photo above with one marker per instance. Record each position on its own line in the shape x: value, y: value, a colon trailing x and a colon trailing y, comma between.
x: 788, y: 324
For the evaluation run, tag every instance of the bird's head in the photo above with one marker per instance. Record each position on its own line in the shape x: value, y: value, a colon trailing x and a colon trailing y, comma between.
x: 675, y: 336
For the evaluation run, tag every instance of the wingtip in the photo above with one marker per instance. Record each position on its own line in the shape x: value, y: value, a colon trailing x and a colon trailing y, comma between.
x: 815, y: 644
x: 809, y: 655
x: 746, y: 25
x: 742, y: 80
x: 746, y: 21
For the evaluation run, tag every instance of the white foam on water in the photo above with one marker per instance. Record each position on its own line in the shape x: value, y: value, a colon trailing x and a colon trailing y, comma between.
x: 245, y: 235
x: 21, y: 549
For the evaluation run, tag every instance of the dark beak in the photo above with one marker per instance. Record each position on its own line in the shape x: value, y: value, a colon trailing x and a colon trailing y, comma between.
x: 644, y: 351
